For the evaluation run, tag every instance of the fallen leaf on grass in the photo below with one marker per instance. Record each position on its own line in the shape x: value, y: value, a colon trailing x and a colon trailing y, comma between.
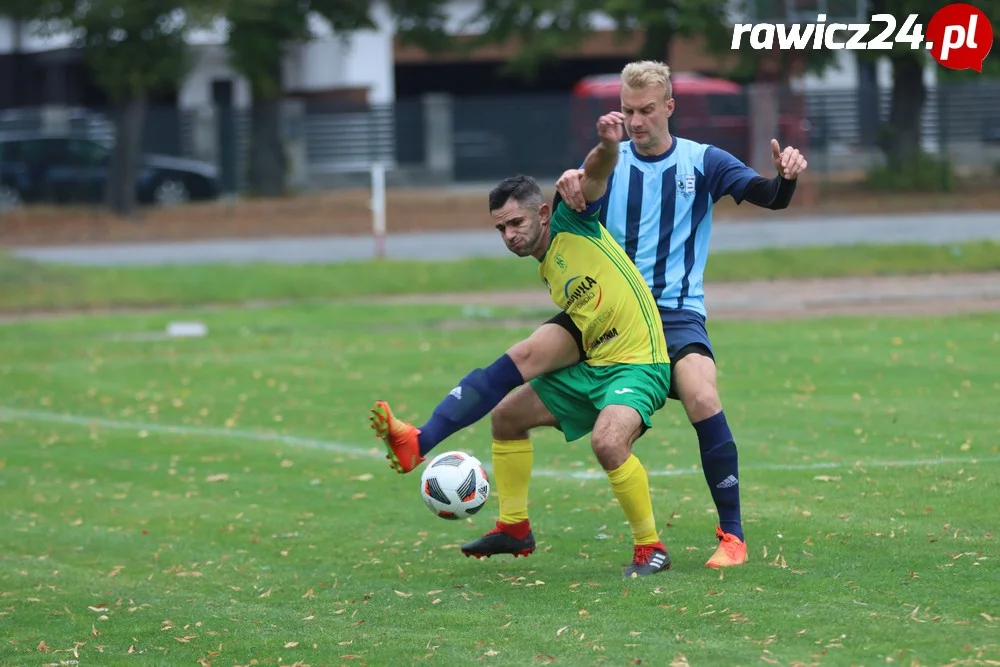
x: 221, y: 477
x: 826, y: 478
x: 562, y: 630
x: 291, y: 644
x: 186, y: 638
x: 402, y: 594
x: 367, y: 477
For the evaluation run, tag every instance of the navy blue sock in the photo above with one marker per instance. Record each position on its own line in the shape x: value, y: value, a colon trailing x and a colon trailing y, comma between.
x: 475, y: 396
x: 721, y: 465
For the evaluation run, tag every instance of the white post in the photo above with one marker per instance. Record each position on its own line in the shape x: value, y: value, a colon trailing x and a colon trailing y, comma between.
x: 378, y: 208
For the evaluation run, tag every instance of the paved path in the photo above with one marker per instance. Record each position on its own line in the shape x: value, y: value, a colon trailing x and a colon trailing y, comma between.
x: 938, y: 295
x: 936, y: 228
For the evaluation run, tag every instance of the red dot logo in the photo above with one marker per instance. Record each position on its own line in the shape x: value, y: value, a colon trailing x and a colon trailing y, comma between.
x: 959, y: 36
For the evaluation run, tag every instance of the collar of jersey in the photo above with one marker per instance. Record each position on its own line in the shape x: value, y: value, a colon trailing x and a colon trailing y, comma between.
x: 654, y: 158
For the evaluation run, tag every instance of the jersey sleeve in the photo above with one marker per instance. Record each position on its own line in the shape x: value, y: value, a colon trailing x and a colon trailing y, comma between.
x: 726, y: 175
x: 585, y: 223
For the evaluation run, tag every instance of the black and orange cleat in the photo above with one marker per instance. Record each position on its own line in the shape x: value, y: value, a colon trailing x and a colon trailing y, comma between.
x: 515, y: 539
x: 401, y: 439
x: 648, y: 559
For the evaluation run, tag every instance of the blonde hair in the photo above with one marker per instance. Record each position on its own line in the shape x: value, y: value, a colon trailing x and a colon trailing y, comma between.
x: 645, y: 73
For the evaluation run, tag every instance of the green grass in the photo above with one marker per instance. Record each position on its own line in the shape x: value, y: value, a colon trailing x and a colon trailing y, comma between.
x: 44, y: 286
x: 266, y: 526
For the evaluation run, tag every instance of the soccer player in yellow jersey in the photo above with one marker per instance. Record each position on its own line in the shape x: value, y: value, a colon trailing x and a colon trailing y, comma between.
x: 612, y: 393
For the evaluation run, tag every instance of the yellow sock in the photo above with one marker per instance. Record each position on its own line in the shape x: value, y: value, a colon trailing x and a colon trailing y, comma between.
x: 631, y: 486
x: 512, y: 461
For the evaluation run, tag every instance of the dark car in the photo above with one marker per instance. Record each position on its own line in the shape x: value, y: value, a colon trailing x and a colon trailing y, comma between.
x: 38, y: 167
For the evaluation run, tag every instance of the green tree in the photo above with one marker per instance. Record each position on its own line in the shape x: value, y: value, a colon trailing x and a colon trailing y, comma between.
x: 134, y: 48
x: 260, y: 33
x: 901, y: 135
x: 544, y: 28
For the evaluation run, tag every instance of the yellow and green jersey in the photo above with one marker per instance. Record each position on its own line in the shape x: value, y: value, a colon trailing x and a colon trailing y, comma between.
x: 591, y: 278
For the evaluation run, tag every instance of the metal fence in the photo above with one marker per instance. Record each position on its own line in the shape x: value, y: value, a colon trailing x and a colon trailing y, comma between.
x: 487, y: 138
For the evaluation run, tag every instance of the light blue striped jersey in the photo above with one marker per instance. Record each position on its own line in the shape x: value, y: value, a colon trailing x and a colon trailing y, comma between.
x: 659, y: 209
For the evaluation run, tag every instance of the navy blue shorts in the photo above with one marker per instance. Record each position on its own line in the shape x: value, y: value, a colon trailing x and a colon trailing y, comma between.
x: 685, y: 333
x: 684, y: 330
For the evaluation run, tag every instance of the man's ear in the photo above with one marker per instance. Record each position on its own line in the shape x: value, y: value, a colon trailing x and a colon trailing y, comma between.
x: 544, y: 213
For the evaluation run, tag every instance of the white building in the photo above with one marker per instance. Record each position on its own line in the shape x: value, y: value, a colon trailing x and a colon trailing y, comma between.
x: 362, y: 62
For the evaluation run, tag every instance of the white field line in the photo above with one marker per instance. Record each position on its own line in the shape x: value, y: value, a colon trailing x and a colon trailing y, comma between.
x: 17, y: 414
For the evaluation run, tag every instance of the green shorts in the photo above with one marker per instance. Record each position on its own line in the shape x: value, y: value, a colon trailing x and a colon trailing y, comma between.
x: 576, y: 395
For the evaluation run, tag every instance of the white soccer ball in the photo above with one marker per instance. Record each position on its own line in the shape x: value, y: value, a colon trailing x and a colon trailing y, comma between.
x: 454, y: 485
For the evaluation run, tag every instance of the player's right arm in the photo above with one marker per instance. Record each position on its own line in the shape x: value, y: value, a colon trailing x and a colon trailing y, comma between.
x: 602, y: 158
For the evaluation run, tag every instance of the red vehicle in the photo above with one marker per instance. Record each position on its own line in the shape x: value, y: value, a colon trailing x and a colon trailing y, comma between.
x: 708, y: 110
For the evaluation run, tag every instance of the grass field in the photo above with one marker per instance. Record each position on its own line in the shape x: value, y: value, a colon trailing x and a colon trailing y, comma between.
x: 32, y: 285
x: 221, y: 501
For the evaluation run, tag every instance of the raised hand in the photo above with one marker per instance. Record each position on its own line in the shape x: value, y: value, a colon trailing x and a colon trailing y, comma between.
x: 789, y: 162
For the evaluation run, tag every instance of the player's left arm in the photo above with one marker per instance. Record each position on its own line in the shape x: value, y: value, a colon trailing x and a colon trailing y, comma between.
x: 727, y: 175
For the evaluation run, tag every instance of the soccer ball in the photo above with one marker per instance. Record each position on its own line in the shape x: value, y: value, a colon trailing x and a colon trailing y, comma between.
x: 454, y: 485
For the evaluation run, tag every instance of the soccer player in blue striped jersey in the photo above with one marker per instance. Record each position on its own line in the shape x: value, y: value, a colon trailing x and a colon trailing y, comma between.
x: 658, y: 207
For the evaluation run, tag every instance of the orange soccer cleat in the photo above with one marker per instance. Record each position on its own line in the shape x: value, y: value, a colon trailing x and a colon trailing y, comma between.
x: 399, y: 437
x: 732, y: 551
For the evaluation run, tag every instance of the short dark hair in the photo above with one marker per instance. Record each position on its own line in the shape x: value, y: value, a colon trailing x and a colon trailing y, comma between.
x: 523, y: 189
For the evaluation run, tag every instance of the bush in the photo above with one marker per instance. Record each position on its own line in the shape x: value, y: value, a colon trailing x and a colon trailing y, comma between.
x: 926, y: 173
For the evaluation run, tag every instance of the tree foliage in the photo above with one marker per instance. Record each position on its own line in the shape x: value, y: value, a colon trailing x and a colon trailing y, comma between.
x: 262, y: 31
x: 901, y: 135
x: 134, y: 48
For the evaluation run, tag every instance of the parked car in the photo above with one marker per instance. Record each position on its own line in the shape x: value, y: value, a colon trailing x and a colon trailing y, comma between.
x: 709, y: 110
x: 36, y: 167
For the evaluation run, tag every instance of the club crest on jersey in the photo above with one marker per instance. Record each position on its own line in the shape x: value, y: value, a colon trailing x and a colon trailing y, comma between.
x: 685, y: 184
x: 560, y: 262
x: 581, y: 290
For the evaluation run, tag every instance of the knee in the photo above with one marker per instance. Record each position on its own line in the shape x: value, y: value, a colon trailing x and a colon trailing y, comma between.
x: 609, y: 450
x: 701, y: 401
x: 694, y: 378
x: 526, y: 357
x: 505, y: 424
